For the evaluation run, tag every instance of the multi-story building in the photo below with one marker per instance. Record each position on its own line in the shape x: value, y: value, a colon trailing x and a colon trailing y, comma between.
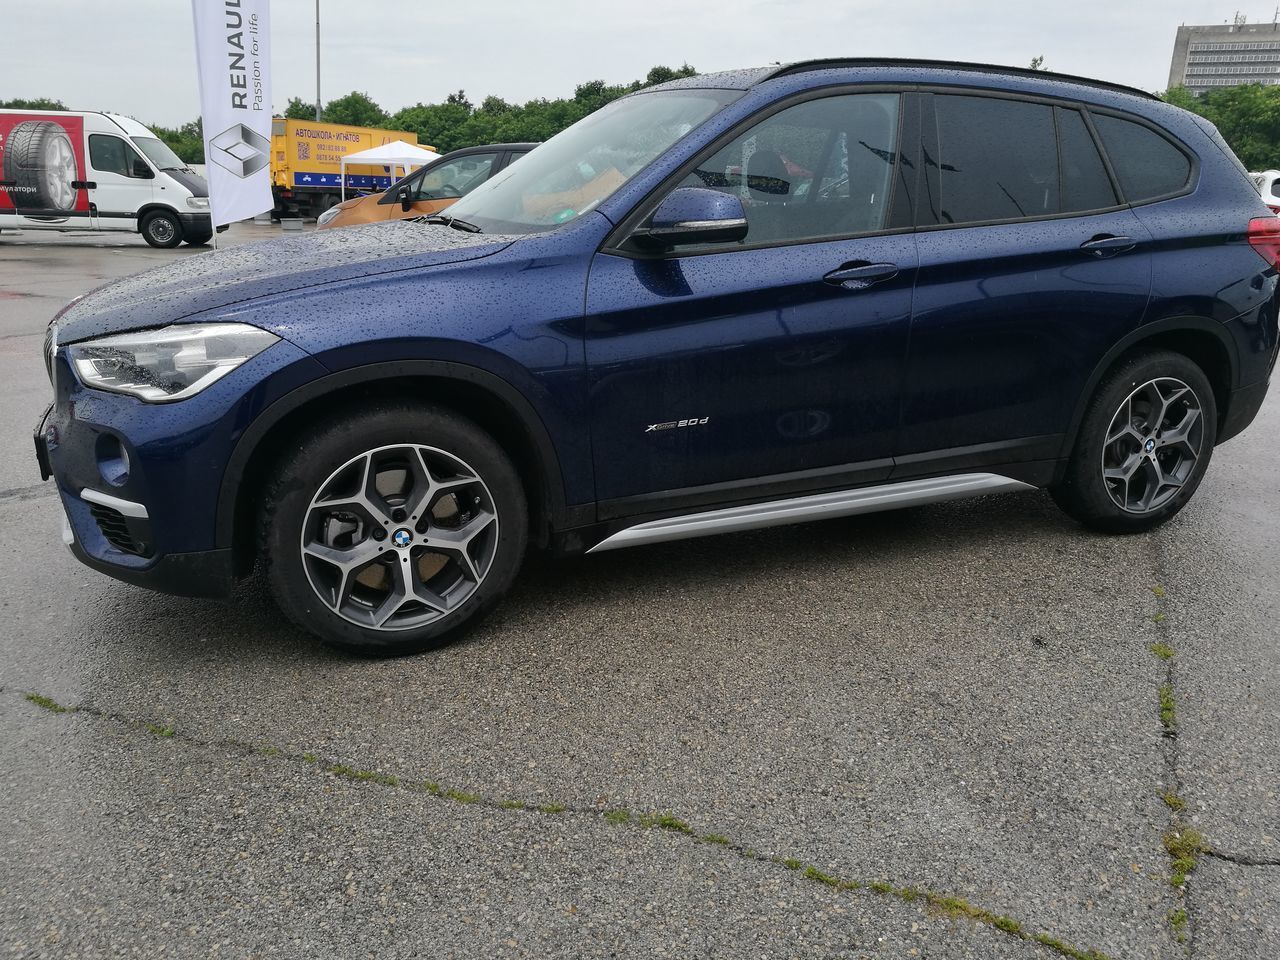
x: 1225, y: 55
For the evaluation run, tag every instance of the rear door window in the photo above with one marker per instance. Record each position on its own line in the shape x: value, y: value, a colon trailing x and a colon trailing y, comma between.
x: 998, y: 159
x: 1147, y: 164
x: 1085, y: 184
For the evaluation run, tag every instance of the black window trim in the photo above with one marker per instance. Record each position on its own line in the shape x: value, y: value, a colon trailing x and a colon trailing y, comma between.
x: 922, y: 111
x: 1193, y: 160
x: 128, y: 148
x: 615, y: 242
x: 930, y: 117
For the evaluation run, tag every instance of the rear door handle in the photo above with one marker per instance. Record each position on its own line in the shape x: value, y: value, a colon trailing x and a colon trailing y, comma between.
x: 1108, y: 246
x: 859, y: 275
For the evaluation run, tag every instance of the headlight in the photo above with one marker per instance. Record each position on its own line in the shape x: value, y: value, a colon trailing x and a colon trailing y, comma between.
x: 198, y: 203
x: 328, y: 216
x: 173, y: 363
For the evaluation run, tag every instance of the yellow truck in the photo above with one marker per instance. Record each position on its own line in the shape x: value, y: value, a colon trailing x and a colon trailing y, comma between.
x: 306, y: 157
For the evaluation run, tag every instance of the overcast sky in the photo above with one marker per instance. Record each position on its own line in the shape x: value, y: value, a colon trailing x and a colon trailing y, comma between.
x: 136, y: 57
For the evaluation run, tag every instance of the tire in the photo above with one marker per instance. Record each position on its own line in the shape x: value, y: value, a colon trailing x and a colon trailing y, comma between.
x: 198, y: 239
x: 330, y: 554
x: 41, y: 162
x: 1144, y: 445
x: 161, y: 229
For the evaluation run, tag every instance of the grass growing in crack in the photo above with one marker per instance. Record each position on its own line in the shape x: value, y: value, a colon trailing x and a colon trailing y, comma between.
x: 1185, y: 847
x: 1159, y: 618
x: 48, y: 703
x: 1158, y: 591
x: 665, y: 821
x: 1168, y: 707
x: 1173, y: 801
x: 1162, y: 650
x: 1178, y: 920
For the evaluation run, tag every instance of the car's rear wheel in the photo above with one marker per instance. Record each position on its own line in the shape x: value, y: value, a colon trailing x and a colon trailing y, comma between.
x: 387, y: 531
x: 1144, y: 445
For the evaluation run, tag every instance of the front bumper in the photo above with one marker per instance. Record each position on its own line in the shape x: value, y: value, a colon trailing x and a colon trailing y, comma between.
x: 198, y: 224
x: 140, y: 483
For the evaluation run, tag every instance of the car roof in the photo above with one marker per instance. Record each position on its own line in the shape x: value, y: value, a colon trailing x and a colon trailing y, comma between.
x: 745, y: 79
x: 488, y: 147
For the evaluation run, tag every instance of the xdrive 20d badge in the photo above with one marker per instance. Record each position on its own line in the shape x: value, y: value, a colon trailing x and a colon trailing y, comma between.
x: 727, y: 302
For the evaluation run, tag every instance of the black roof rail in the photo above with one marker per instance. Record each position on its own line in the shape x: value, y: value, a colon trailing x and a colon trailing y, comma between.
x: 804, y: 66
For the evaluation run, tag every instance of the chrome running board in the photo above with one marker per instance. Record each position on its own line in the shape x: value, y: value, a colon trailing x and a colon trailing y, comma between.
x: 821, y: 506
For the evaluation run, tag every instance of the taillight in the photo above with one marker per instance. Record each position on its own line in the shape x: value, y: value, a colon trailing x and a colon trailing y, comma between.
x: 1264, y: 237
x: 1274, y: 209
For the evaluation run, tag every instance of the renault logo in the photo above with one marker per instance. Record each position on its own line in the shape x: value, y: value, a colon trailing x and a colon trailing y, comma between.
x: 240, y: 150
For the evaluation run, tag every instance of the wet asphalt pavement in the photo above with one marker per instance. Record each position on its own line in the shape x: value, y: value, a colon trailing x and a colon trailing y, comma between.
x: 935, y: 733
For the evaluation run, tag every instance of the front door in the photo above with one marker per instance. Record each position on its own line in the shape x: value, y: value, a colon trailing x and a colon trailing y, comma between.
x: 439, y: 185
x: 121, y: 182
x: 773, y: 364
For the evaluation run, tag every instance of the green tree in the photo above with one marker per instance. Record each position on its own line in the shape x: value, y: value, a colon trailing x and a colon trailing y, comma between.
x: 38, y: 104
x: 299, y: 109
x: 1037, y: 63
x: 1247, y: 116
x: 356, y: 109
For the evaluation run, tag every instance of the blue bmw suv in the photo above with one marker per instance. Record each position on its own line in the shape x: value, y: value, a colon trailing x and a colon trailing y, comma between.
x: 731, y: 301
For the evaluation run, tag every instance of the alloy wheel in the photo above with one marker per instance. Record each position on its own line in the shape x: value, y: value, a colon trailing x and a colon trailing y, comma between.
x: 59, y: 172
x: 1152, y: 445
x: 399, y: 536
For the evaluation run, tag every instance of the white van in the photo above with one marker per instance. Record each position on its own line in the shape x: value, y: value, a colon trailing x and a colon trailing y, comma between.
x: 97, y: 171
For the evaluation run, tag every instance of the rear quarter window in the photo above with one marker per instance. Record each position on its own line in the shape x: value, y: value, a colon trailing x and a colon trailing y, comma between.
x: 1147, y: 164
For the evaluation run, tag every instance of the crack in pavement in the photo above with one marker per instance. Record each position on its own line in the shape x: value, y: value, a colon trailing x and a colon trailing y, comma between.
x: 946, y: 904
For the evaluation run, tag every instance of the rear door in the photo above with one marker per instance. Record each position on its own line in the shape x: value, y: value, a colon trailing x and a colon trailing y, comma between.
x: 1030, y: 268
x: 120, y: 182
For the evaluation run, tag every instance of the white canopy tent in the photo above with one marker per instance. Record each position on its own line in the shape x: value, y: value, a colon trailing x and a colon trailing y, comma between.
x: 397, y: 153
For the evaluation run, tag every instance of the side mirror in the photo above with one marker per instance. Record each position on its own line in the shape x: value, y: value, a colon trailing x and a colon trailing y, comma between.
x: 406, y: 199
x: 141, y: 171
x: 695, y: 215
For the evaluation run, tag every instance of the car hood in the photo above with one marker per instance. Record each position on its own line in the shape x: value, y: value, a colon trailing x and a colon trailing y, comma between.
x: 220, y: 278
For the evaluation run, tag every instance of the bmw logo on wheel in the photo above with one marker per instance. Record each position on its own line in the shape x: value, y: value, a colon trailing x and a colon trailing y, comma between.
x: 402, y: 537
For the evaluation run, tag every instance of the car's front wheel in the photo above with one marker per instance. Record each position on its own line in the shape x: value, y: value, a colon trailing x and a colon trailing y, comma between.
x: 1144, y: 445
x: 388, y: 530
x: 161, y: 229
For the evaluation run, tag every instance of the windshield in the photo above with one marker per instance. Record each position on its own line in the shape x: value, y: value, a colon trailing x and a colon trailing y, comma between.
x: 578, y: 168
x: 158, y: 152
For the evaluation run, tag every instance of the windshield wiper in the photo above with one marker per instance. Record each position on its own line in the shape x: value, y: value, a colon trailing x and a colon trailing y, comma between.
x: 452, y: 222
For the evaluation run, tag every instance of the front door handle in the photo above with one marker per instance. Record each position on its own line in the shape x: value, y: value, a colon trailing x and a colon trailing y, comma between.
x: 1105, y: 245
x: 859, y: 274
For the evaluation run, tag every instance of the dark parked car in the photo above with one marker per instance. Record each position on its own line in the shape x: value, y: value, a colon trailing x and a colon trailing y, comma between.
x: 730, y: 301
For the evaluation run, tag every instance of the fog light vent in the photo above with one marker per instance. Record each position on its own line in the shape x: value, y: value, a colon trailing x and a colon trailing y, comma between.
x: 115, y: 528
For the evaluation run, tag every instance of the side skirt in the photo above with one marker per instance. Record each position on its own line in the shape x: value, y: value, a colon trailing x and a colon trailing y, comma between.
x: 822, y: 506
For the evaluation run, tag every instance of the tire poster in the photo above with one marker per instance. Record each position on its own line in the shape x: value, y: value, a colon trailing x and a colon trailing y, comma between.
x: 42, y: 166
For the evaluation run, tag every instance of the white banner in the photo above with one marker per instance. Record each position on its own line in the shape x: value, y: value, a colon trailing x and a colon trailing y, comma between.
x: 233, y: 55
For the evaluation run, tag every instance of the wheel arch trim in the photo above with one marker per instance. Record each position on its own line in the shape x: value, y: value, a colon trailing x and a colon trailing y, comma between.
x: 1135, y: 338
x: 250, y: 441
